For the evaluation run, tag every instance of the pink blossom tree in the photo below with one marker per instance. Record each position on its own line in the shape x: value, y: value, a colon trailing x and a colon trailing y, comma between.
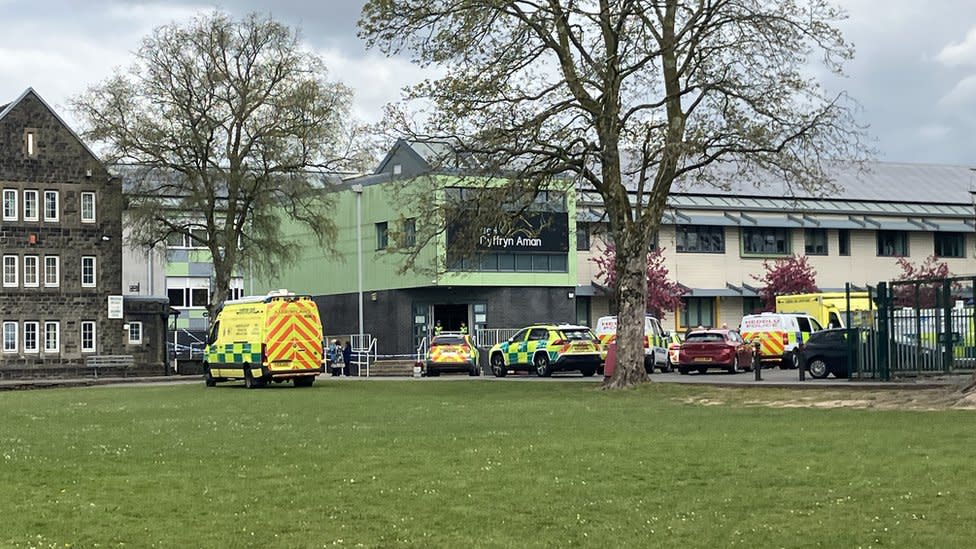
x: 791, y: 275
x: 663, y: 294
x: 927, y: 292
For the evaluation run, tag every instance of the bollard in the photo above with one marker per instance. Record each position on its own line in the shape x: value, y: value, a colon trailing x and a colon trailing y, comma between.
x: 756, y: 362
x: 799, y: 362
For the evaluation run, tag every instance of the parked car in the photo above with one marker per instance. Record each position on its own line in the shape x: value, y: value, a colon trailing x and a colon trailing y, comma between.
x: 545, y: 348
x: 452, y: 352
x: 826, y: 353
x: 706, y: 349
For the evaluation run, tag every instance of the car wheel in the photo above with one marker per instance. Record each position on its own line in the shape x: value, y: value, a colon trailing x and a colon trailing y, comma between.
x: 304, y: 381
x: 667, y: 368
x: 433, y: 373
x: 703, y: 369
x: 498, y: 366
x: 649, y: 365
x: 208, y: 378
x: 588, y: 371
x: 541, y: 363
x: 474, y: 371
x: 249, y: 381
x: 818, y: 368
x: 789, y: 360
x: 682, y: 370
x: 734, y: 369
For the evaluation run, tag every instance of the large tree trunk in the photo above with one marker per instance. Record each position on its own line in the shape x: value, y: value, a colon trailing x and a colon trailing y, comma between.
x: 631, y: 265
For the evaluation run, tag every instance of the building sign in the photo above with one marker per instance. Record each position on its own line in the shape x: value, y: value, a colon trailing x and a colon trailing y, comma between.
x: 115, y: 306
x: 533, y: 232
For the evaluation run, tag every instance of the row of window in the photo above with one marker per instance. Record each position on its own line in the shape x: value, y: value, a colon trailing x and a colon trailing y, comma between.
x: 508, y: 262
x: 33, y: 276
x: 50, y: 209
x: 197, y: 297
x: 764, y: 241
x: 408, y: 234
x: 36, y: 337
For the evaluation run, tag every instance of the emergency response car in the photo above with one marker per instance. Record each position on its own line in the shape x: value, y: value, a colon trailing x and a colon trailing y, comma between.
x: 545, y: 348
x: 277, y: 337
x: 452, y: 352
x: 655, y: 341
x: 778, y: 334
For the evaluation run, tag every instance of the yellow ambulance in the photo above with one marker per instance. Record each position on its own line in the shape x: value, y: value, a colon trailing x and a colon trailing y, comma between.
x: 277, y: 337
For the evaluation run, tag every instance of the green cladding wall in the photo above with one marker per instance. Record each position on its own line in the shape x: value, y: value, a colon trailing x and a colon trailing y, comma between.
x: 317, y: 272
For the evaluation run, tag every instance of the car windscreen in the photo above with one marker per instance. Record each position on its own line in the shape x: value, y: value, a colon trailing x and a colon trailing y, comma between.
x: 447, y: 340
x: 577, y: 335
x: 704, y: 337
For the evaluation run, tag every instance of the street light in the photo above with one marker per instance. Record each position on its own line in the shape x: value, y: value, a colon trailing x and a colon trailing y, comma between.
x: 358, y: 189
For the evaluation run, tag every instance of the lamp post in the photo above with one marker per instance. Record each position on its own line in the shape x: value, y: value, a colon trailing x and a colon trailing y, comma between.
x: 358, y: 189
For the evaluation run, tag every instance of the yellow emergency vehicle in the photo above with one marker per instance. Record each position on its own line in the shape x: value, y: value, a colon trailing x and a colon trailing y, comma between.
x: 779, y: 334
x: 452, y: 352
x: 656, y: 341
x: 277, y: 337
x: 829, y: 308
x: 545, y: 348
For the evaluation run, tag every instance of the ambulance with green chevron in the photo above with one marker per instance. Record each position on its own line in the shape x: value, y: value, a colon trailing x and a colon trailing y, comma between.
x: 263, y: 339
x: 546, y: 348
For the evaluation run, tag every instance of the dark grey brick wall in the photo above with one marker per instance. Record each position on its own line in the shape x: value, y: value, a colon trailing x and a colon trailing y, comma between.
x: 390, y: 317
x: 62, y: 164
x: 150, y: 355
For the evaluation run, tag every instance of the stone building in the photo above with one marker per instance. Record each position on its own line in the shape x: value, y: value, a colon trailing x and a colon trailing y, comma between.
x: 60, y: 242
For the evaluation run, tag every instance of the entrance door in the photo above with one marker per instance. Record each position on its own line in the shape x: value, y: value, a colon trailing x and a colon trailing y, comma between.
x: 451, y: 317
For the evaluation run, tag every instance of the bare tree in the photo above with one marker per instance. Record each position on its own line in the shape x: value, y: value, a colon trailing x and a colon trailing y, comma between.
x: 628, y: 97
x: 226, y: 128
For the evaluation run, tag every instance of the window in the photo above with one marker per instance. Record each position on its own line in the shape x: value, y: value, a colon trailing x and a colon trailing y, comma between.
x: 700, y: 239
x: 410, y: 232
x: 815, y: 241
x: 10, y: 337
x: 582, y: 237
x: 30, y: 143
x: 9, y: 271
x: 31, y: 278
x: 199, y: 297
x: 698, y: 311
x: 176, y: 297
x: 751, y: 305
x: 30, y: 206
x: 950, y: 244
x: 135, y: 333
x: 87, y: 336
x: 844, y: 242
x: 51, y: 209
x: 52, y: 337
x: 52, y: 275
x: 87, y: 271
x: 30, y: 337
x: 9, y: 205
x: 382, y: 236
x: 87, y: 207
x: 765, y: 241
x: 892, y: 243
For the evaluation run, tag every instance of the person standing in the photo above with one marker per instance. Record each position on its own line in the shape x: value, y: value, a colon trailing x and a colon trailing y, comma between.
x: 464, y: 327
x: 334, y: 355
x: 346, y: 357
x: 438, y: 328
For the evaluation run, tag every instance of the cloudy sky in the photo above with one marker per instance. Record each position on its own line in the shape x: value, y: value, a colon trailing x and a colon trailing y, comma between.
x: 914, y: 74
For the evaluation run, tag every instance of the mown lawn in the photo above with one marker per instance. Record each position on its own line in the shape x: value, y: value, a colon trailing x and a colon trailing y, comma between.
x: 474, y: 463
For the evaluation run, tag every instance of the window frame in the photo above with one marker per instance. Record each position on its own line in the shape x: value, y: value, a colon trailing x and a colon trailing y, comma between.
x: 36, y: 201
x: 3, y: 337
x: 57, y: 271
x: 939, y: 238
x: 685, y: 315
x: 37, y: 275
x: 746, y: 232
x: 94, y: 342
x: 9, y: 203
x: 135, y: 324
x: 410, y: 232
x: 682, y: 231
x: 81, y: 208
x: 57, y: 336
x: 818, y: 232
x: 15, y: 261
x: 382, y: 235
x: 94, y: 272
x: 57, y: 206
x: 898, y: 235
x: 844, y: 242
x: 36, y: 348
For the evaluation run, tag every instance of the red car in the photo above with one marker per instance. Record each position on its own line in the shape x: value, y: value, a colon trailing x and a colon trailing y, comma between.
x: 706, y: 349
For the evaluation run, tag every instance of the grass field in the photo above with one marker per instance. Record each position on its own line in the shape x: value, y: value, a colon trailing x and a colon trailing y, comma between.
x: 475, y: 463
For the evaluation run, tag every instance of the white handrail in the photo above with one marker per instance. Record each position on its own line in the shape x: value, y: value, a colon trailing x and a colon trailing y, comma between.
x: 422, y: 351
x: 365, y: 352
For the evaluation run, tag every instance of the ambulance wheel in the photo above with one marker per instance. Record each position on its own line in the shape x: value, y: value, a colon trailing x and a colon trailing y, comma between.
x: 789, y: 361
x: 305, y: 381
x: 474, y: 371
x: 498, y: 366
x: 541, y: 363
x: 649, y: 365
x: 208, y: 378
x: 667, y: 368
x: 588, y: 371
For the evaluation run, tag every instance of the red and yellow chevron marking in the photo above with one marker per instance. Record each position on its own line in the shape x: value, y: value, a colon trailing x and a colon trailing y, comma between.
x: 294, y: 335
x: 770, y: 343
x: 608, y: 338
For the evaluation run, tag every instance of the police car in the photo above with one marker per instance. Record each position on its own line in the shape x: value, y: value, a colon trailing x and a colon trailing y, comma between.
x: 452, y: 352
x: 546, y: 348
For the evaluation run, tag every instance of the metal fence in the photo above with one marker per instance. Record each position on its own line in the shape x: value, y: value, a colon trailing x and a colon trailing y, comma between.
x: 488, y: 337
